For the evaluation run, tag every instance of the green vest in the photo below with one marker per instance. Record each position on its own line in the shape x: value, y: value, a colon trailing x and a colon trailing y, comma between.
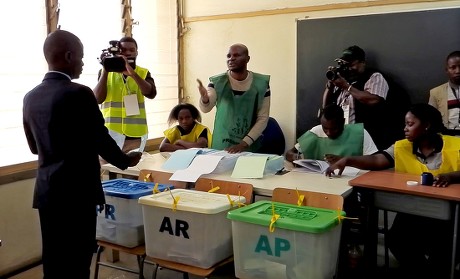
x: 113, y: 108
x: 349, y: 143
x: 236, y: 115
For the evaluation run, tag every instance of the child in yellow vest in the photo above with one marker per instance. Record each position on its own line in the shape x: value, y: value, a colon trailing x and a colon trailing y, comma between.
x: 189, y: 133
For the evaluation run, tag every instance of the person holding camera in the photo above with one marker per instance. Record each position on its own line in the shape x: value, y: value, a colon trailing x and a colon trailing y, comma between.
x: 361, y: 92
x: 121, y: 90
x: 242, y: 99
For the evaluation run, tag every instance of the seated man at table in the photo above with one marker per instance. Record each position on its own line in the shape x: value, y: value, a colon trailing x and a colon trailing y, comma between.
x: 332, y: 139
x: 421, y: 245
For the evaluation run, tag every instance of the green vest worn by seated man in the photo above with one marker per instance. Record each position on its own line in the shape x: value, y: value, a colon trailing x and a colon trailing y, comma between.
x: 113, y: 107
x: 236, y: 114
x: 349, y: 143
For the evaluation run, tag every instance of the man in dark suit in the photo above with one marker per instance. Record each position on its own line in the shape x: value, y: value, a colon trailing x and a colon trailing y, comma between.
x: 64, y: 126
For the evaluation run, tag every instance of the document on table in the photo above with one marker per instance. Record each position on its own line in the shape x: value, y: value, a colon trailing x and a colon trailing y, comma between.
x: 250, y: 167
x: 319, y: 166
x: 180, y: 159
x: 203, y: 164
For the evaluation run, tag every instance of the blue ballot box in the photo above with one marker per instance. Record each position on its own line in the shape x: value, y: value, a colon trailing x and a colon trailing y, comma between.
x: 120, y: 221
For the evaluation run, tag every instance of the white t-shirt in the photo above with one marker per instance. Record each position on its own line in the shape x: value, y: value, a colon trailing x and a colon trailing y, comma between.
x: 369, y: 146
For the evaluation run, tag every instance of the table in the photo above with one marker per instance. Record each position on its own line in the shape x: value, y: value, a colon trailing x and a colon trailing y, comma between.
x: 382, y: 187
x: 262, y: 187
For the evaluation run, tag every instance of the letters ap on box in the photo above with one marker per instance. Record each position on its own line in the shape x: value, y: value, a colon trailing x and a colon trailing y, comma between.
x: 304, y: 243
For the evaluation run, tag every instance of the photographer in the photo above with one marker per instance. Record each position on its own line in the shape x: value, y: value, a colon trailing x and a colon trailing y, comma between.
x: 122, y: 92
x: 362, y: 94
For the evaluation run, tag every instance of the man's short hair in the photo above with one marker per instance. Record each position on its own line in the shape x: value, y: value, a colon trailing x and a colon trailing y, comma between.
x: 332, y: 112
x: 128, y: 40
x: 452, y: 55
x: 353, y: 53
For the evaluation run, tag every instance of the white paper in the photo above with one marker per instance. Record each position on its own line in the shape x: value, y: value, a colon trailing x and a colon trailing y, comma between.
x: 180, y: 159
x: 203, y: 164
x: 131, y: 105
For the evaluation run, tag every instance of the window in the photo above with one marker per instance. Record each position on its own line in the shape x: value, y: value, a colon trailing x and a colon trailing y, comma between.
x: 23, y: 67
x: 95, y: 23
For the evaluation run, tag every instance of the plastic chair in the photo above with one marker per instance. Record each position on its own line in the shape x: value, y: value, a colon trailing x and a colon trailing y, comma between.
x: 314, y: 199
x: 273, y: 141
x: 206, y: 184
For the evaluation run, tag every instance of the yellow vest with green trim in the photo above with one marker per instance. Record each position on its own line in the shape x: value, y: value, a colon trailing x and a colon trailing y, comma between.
x: 113, y: 108
x: 173, y: 134
x: 406, y: 161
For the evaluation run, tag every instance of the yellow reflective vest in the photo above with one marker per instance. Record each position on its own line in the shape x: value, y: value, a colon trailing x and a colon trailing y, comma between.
x: 173, y: 134
x: 113, y: 108
x: 406, y: 161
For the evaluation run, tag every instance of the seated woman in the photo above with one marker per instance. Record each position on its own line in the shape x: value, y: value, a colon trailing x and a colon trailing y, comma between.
x: 420, y: 244
x: 189, y: 133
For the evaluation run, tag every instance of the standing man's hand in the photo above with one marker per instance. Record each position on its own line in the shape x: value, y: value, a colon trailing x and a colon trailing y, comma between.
x: 237, y: 148
x: 134, y: 158
x: 203, y: 92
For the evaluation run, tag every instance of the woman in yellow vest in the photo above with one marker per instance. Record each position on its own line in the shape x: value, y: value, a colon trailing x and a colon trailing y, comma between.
x: 189, y: 133
x: 420, y: 244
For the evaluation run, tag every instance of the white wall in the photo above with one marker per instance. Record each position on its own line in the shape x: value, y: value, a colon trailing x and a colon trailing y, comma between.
x: 271, y: 40
x: 19, y: 226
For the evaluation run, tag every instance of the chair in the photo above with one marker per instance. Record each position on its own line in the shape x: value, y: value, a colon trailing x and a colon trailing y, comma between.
x: 138, y: 251
x: 226, y: 187
x: 273, y: 141
x: 160, y: 177
x: 313, y: 199
x: 206, y: 184
x: 187, y: 269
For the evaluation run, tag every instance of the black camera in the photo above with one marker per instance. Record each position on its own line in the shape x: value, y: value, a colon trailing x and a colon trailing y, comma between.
x: 341, y: 69
x: 110, y: 58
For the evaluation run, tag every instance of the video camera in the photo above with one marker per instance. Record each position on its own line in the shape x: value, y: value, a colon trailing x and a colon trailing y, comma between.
x: 341, y: 69
x: 110, y: 58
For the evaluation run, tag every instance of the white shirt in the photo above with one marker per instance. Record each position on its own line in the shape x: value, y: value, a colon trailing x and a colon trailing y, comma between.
x: 376, y: 85
x: 453, y: 112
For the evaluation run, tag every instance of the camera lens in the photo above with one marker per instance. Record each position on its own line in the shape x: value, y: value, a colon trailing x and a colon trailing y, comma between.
x: 331, y: 75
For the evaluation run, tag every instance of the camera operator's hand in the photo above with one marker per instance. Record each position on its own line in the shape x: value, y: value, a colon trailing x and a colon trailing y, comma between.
x: 340, y: 82
x: 129, y: 70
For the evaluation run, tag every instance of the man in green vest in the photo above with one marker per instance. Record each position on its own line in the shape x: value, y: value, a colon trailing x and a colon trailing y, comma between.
x: 332, y: 139
x: 122, y: 97
x: 242, y: 100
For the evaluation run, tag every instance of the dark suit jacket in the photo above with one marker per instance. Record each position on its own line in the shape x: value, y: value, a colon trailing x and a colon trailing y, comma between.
x: 64, y: 126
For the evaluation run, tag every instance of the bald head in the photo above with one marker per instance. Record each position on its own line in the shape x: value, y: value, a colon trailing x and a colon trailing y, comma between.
x: 237, y: 60
x: 64, y: 52
x: 242, y: 48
